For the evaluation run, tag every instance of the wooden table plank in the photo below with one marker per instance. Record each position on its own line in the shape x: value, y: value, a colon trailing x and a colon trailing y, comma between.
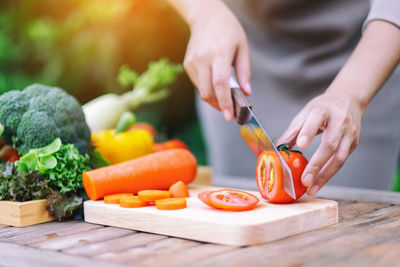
x: 115, y: 245
x: 15, y: 231
x: 359, y: 194
x: 76, y: 239
x: 12, y: 255
x: 56, y: 231
x: 346, y: 248
x: 137, y: 255
x: 308, y: 247
x: 185, y: 257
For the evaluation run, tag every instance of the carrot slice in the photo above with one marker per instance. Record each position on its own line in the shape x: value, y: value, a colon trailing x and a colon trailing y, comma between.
x: 115, y: 198
x: 132, y: 202
x: 171, y: 204
x: 153, y: 195
x: 154, y: 171
x: 179, y: 189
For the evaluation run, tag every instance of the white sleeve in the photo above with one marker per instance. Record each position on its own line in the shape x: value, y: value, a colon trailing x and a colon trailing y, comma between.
x: 387, y: 10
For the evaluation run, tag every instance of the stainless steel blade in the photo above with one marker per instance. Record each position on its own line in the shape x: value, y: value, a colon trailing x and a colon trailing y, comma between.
x: 258, y: 140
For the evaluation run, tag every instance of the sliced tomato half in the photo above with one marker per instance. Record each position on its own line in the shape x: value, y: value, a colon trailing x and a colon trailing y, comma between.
x: 232, y: 200
x: 270, y: 175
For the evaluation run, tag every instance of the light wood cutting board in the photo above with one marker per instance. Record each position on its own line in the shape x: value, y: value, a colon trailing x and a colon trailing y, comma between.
x: 265, y: 223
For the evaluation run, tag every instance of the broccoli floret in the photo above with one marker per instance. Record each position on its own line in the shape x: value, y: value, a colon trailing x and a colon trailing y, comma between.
x: 37, y: 115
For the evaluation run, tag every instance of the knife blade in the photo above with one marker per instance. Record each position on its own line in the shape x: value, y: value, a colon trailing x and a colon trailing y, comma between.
x: 254, y: 134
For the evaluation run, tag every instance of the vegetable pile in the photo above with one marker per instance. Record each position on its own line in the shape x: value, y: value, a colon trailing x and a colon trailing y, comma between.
x: 46, y: 139
x: 47, y: 149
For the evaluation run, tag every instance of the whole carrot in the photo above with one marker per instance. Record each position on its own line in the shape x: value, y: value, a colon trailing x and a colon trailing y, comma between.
x: 154, y: 171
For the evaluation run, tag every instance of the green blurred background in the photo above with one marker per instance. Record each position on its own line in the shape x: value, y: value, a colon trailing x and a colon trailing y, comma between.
x: 80, y: 45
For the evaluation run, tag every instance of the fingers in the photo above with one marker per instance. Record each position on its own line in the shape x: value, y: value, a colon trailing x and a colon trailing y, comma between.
x: 292, y: 131
x: 333, y: 166
x: 242, y: 68
x: 330, y: 141
x: 221, y: 71
x: 202, y: 80
x: 315, y: 121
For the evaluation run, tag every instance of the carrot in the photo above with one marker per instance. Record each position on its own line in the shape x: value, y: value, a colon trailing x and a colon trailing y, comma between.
x: 179, y: 189
x: 171, y: 203
x: 132, y: 202
x: 154, y: 171
x: 153, y: 195
x: 115, y: 198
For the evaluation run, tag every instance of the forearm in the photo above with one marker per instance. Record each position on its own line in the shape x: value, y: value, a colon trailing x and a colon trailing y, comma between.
x: 195, y: 11
x: 371, y: 64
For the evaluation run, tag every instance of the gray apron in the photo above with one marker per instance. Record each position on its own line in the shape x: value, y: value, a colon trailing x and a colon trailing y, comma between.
x: 297, y: 47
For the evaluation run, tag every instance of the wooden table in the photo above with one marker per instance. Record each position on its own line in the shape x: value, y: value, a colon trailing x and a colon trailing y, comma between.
x: 368, y: 233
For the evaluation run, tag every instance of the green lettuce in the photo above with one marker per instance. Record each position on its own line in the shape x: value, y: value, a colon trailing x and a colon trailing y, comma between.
x: 66, y: 176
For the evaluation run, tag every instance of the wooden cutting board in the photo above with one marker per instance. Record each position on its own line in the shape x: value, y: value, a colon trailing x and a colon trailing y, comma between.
x: 265, y: 223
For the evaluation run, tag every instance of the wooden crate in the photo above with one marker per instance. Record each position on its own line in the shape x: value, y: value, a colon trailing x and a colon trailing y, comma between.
x: 22, y: 214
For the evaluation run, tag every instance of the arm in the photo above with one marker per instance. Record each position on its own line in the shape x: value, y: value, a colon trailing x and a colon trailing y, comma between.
x: 216, y: 43
x: 338, y: 111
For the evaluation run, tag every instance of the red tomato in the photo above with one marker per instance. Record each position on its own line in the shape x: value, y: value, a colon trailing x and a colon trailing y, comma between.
x: 229, y: 199
x: 171, y: 144
x: 144, y: 126
x: 269, y: 174
x: 8, y: 153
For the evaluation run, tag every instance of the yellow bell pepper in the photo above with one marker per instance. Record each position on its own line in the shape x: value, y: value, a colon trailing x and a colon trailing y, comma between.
x: 122, y: 146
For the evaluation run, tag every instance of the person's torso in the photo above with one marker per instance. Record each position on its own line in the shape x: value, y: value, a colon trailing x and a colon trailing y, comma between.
x: 302, y: 41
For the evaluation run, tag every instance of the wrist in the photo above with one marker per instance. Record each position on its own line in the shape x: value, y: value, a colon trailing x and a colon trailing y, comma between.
x: 349, y: 91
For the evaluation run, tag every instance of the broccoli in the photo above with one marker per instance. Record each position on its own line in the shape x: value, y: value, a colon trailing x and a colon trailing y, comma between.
x: 37, y: 115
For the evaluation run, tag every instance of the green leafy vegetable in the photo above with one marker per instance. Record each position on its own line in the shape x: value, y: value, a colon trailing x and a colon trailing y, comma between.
x: 127, y: 77
x: 66, y: 176
x: 21, y: 186
x: 151, y: 85
x: 50, y: 149
x: 61, y: 165
x: 40, y: 159
x: 1, y: 129
x: 63, y: 205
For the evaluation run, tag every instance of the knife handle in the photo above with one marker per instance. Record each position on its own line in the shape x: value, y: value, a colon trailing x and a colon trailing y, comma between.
x: 240, y: 102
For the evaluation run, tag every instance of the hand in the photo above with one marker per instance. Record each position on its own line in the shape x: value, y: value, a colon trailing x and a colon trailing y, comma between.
x: 216, y: 43
x: 338, y: 117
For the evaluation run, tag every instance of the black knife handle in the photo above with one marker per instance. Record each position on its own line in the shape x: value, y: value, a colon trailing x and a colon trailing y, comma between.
x: 241, y: 105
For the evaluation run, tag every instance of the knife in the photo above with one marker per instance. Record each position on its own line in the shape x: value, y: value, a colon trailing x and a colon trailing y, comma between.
x: 255, y: 136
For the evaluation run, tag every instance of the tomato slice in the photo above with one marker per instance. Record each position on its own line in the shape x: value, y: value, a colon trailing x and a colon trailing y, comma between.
x: 203, y: 196
x: 232, y: 200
